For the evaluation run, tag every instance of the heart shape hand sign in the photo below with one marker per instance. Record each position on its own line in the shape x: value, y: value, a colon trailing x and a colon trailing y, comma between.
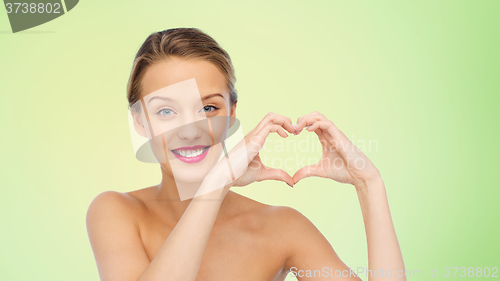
x: 341, y: 160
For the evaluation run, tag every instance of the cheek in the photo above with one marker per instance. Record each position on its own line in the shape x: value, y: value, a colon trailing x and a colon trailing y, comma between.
x: 160, y: 126
x: 157, y: 146
x: 227, y: 106
x: 219, y: 125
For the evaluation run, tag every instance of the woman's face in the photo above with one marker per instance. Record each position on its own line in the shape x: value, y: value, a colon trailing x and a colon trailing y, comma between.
x: 188, y: 107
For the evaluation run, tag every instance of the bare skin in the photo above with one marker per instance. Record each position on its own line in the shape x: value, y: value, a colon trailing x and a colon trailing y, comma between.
x: 149, y: 234
x: 246, y: 243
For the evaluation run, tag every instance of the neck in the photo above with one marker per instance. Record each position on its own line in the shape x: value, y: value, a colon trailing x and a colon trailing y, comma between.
x: 170, y: 203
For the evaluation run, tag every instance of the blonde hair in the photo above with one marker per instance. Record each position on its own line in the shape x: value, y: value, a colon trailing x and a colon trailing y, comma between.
x: 183, y: 43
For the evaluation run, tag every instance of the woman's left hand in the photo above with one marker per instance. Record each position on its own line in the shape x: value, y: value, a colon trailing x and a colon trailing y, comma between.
x: 341, y: 160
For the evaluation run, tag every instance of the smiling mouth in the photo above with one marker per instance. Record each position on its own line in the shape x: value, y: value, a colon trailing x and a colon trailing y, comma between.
x: 191, y: 152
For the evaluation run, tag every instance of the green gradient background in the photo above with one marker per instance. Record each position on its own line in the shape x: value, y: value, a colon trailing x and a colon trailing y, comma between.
x: 421, y: 78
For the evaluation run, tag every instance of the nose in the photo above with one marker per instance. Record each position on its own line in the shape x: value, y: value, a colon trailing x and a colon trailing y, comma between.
x: 191, y: 130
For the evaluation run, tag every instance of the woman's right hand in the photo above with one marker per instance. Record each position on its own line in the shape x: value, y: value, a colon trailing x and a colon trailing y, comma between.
x: 246, y: 164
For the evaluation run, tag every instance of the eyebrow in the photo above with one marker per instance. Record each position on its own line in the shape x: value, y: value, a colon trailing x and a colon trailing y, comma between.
x: 213, y: 95
x: 161, y: 98
x: 204, y: 98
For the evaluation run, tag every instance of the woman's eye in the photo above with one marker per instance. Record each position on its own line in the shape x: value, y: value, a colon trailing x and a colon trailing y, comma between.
x: 165, y: 112
x: 209, y: 108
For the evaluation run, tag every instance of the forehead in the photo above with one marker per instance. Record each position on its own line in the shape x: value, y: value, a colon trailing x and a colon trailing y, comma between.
x: 173, y: 70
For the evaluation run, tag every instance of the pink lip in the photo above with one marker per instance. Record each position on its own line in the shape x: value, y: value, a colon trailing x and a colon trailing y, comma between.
x: 191, y: 147
x: 192, y: 159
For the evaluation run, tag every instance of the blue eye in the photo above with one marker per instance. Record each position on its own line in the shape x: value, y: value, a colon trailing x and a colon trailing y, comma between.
x: 165, y: 112
x: 209, y: 108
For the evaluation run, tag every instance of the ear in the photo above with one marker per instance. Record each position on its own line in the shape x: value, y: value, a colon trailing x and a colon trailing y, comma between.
x: 138, y: 123
x: 233, y: 114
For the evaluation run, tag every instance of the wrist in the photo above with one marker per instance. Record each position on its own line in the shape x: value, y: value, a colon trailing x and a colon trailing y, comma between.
x: 372, y: 184
x: 372, y: 196
x: 213, y: 188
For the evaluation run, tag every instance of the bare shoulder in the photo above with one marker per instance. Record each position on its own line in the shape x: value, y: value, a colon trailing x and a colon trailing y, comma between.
x: 281, y: 220
x: 114, y: 236
x: 110, y: 200
x: 291, y: 224
x: 113, y: 204
x: 287, y: 232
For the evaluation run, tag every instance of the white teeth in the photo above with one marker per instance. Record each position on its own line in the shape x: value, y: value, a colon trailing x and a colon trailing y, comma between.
x: 190, y: 153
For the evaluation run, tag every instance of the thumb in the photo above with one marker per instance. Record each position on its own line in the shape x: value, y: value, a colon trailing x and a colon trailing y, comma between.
x: 276, y: 174
x: 305, y: 172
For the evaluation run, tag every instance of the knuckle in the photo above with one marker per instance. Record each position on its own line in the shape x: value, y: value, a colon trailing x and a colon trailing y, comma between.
x: 271, y: 126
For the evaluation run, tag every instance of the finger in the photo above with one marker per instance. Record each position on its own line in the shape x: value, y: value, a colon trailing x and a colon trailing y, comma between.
x: 272, y: 118
x: 264, y: 121
x: 290, y: 121
x: 283, y: 121
x: 281, y: 132
x: 247, y: 149
x: 321, y: 124
x: 312, y: 114
x: 305, y: 172
x: 324, y: 136
x: 255, y: 143
x: 272, y: 128
x: 307, y: 115
x: 276, y: 174
x: 327, y: 131
x: 316, y: 122
x: 322, y: 139
x: 308, y: 121
x: 255, y: 140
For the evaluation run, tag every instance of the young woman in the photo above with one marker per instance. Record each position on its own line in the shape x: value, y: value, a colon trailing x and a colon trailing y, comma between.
x: 150, y: 234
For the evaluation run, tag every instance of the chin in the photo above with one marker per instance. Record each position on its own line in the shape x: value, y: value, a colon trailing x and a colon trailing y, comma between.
x: 189, y: 177
x: 193, y: 172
